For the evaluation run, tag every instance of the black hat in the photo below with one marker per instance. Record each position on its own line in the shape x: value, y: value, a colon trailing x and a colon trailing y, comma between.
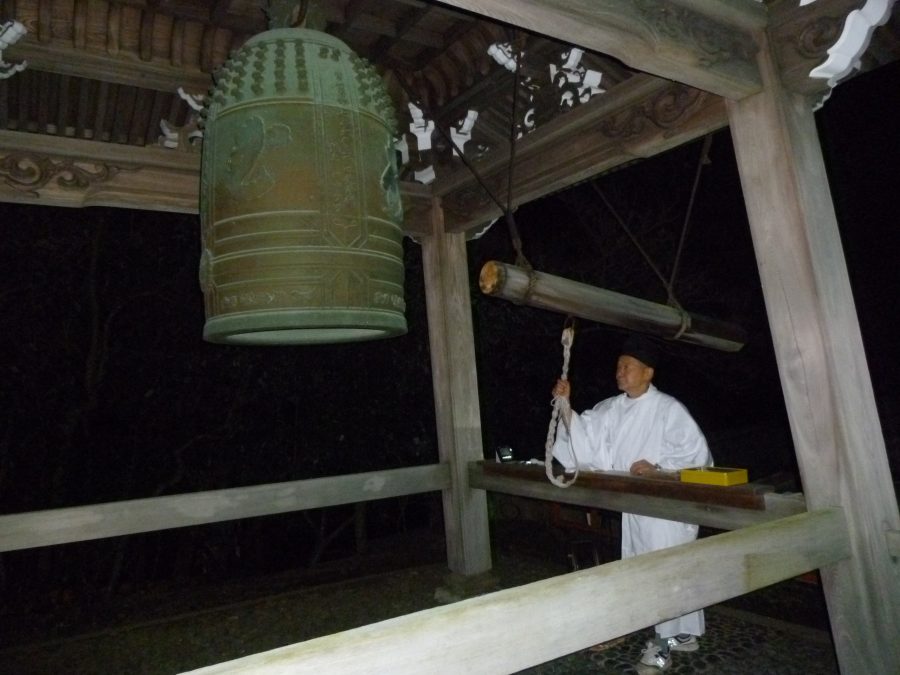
x: 643, y: 349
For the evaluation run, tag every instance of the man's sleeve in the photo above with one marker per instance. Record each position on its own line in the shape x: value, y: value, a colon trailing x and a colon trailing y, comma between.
x: 685, y: 444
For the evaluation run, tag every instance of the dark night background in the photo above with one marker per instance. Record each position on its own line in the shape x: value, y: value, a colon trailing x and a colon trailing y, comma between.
x: 109, y: 393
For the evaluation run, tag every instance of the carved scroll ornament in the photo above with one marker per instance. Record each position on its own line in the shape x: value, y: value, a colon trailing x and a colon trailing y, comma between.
x: 717, y: 43
x: 29, y: 172
x: 666, y: 110
x: 817, y: 36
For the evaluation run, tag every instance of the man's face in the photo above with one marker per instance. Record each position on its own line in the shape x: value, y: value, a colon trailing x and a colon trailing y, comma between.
x: 632, y: 376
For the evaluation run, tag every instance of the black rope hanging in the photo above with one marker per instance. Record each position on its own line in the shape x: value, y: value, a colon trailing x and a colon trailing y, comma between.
x: 507, y: 209
x: 449, y: 139
x: 520, y: 284
x: 514, y: 235
x: 668, y: 284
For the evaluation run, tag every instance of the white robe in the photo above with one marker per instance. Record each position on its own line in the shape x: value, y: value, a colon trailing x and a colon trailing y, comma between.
x: 618, y: 432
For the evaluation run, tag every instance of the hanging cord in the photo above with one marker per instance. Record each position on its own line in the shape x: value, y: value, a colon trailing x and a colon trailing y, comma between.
x: 521, y: 260
x: 668, y: 284
x: 631, y: 236
x: 703, y: 161
x: 515, y: 237
x: 670, y: 287
x: 561, y: 410
x: 685, y: 317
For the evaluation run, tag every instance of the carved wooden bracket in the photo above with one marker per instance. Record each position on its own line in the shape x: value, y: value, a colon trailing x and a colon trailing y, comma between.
x: 29, y: 172
x: 843, y: 55
x: 715, y: 42
x: 665, y: 110
x: 818, y: 43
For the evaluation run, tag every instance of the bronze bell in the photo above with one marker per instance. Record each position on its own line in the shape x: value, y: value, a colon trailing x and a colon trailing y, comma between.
x: 299, y: 197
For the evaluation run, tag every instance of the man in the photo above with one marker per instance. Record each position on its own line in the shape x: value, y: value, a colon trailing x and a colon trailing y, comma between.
x: 642, y: 431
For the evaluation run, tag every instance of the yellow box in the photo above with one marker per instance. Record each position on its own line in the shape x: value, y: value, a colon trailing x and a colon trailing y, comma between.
x: 714, y: 475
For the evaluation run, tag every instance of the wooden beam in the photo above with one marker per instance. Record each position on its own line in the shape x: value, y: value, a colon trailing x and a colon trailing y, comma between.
x: 721, y: 508
x: 416, y: 199
x: 707, y: 44
x: 50, y: 57
x: 246, y: 22
x: 646, y: 116
x: 517, y: 628
x: 746, y: 496
x: 751, y: 16
x: 97, y: 521
x: 92, y: 151
x: 38, y: 169
x: 54, y: 171
x: 821, y: 362
x: 455, y: 384
x: 556, y: 294
x: 639, y: 118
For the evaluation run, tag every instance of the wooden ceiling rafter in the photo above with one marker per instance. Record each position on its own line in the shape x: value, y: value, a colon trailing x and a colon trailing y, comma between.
x: 492, y: 129
x: 218, y: 11
x: 704, y: 44
x: 84, y: 100
x: 210, y: 12
x: 138, y: 53
x: 45, y: 17
x: 383, y: 45
x: 364, y: 22
x: 146, y: 32
x: 108, y: 54
x: 434, y: 81
x: 176, y: 43
x: 62, y: 106
x: 434, y: 60
x: 4, y: 107
x: 647, y: 116
x: 79, y: 24
x: 352, y: 11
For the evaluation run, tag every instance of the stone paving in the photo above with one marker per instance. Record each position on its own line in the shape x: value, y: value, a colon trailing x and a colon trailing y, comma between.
x: 736, y: 642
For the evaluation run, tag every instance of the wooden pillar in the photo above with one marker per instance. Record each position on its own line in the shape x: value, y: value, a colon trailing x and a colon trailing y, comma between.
x: 455, y: 394
x: 831, y: 406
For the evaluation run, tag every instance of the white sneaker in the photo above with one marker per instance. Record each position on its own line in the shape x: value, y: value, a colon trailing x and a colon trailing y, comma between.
x: 685, y: 642
x: 654, y: 659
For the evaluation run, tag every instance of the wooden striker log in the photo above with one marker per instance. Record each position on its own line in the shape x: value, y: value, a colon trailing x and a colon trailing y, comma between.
x: 597, y: 304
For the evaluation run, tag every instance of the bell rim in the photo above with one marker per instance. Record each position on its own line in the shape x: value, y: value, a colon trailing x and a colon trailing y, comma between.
x: 299, y: 327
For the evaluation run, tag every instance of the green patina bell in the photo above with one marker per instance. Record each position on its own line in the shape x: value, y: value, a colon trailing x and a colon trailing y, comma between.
x: 299, y: 197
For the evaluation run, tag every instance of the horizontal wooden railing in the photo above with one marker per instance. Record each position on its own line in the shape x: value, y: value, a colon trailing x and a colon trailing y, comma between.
x: 513, y: 629
x: 96, y: 521
x: 725, y: 508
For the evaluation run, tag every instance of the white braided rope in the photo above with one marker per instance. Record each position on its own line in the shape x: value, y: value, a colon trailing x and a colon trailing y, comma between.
x: 561, y: 410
